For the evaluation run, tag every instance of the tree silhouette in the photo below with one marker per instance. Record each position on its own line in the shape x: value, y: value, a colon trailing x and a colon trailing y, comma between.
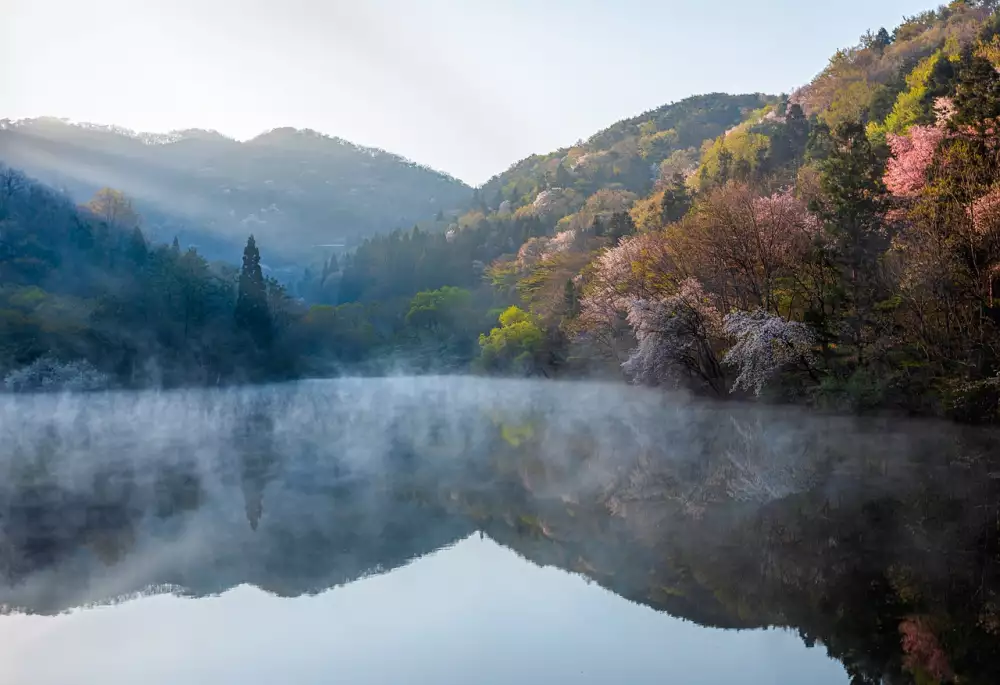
x: 252, y: 313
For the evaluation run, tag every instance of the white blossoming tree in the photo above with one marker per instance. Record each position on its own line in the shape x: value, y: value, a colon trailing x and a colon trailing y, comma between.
x: 765, y: 344
x: 675, y: 337
x: 51, y: 375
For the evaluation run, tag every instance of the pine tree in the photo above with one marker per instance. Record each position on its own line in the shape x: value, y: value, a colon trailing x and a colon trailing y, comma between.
x: 597, y: 228
x: 676, y: 200
x: 571, y: 300
x: 621, y: 226
x: 138, y: 251
x: 853, y: 208
x: 252, y: 313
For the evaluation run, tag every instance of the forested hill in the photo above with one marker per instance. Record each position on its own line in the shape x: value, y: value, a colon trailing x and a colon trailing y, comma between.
x: 630, y: 155
x: 294, y: 189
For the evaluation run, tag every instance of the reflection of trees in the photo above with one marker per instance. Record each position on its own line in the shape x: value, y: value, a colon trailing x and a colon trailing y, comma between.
x: 258, y: 460
x: 878, y: 541
x: 883, y: 550
x: 177, y: 488
x: 111, y: 512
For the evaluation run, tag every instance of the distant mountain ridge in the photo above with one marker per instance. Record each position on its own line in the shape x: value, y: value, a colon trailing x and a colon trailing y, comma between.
x: 293, y: 188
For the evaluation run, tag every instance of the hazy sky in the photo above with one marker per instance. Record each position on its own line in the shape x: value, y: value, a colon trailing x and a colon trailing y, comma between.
x: 465, y: 86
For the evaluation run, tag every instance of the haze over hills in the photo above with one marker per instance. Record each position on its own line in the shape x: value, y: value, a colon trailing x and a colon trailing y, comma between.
x: 297, y: 190
x: 294, y: 189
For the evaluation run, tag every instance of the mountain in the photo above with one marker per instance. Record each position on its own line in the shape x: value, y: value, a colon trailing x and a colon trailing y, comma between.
x: 294, y: 189
x: 630, y: 155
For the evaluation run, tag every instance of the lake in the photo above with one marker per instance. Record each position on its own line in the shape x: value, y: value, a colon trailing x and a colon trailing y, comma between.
x: 461, y: 530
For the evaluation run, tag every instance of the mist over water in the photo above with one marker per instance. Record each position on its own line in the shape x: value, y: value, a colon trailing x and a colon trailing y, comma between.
x: 192, y: 467
x: 728, y: 515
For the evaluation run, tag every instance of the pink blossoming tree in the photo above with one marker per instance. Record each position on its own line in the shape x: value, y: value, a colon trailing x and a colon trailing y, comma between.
x: 912, y: 154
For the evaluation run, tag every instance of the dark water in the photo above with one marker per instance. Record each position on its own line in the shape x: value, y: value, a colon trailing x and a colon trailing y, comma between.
x: 459, y: 530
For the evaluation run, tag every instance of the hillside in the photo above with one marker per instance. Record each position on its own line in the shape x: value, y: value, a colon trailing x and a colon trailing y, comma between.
x: 630, y: 155
x: 839, y: 247
x: 544, y: 194
x: 294, y: 189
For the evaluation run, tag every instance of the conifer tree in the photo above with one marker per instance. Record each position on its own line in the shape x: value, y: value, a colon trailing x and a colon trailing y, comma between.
x: 252, y: 313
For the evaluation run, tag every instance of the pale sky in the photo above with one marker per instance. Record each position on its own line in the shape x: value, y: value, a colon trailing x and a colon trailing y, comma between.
x: 464, y: 86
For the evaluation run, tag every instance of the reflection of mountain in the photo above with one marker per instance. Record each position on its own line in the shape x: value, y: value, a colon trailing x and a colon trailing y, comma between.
x: 878, y: 540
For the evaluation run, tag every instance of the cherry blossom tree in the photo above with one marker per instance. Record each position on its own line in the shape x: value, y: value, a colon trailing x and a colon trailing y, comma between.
x: 740, y: 244
x: 675, y: 339
x: 640, y: 267
x: 765, y: 344
x: 912, y: 154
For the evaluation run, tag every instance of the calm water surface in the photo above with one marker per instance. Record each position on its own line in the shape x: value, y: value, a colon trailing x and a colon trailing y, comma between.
x: 459, y: 530
x: 473, y: 612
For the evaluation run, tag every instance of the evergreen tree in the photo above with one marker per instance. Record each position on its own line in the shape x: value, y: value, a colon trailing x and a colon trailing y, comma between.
x: 853, y: 209
x: 676, y: 200
x: 597, y: 228
x: 571, y: 299
x: 138, y: 251
x: 977, y: 97
x: 252, y: 313
x: 882, y: 40
x: 621, y: 226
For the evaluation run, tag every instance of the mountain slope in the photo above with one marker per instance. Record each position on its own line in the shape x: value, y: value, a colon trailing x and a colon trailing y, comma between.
x: 630, y: 154
x: 294, y: 189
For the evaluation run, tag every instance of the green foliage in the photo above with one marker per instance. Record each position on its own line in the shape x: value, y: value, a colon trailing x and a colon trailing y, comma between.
x: 622, y: 155
x: 915, y: 105
x: 515, y: 347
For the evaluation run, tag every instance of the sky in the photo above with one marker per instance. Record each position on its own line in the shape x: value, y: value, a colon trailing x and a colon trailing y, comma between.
x: 464, y: 86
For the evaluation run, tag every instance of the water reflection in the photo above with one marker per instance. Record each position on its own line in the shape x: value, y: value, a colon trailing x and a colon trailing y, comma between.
x: 473, y: 612
x: 875, y: 540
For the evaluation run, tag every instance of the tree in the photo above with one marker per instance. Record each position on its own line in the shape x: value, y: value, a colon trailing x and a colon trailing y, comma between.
x: 516, y: 346
x: 676, y: 200
x: 676, y: 339
x: 853, y: 208
x: 977, y: 97
x: 571, y: 302
x: 597, y: 227
x: 765, y: 344
x: 742, y: 246
x: 138, y: 250
x: 912, y: 154
x: 114, y: 208
x: 252, y: 313
x: 620, y: 226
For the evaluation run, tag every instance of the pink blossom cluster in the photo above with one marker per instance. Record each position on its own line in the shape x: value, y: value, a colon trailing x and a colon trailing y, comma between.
x: 986, y: 212
x: 922, y: 649
x: 560, y: 242
x: 786, y: 212
x: 912, y: 154
x: 622, y: 273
